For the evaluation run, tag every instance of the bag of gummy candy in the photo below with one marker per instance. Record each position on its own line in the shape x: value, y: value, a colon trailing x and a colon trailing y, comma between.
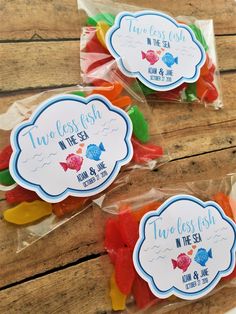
x: 173, y: 58
x: 170, y: 245
x: 60, y: 148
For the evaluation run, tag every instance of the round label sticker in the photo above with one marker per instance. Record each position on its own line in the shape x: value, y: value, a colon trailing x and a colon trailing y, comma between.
x: 71, y: 146
x: 185, y: 247
x: 156, y: 49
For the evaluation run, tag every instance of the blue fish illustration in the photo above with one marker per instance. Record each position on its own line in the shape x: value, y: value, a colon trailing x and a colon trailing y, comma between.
x: 202, y: 256
x: 94, y: 152
x: 169, y: 60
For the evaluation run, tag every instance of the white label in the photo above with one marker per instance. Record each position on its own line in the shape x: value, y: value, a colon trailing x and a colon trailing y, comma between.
x: 185, y: 247
x: 71, y: 146
x: 156, y: 49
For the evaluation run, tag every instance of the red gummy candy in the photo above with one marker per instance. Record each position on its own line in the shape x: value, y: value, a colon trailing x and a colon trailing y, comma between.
x: 231, y: 276
x: 206, y: 90
x: 93, y: 44
x: 145, y: 152
x: 128, y: 228
x: 209, y: 77
x: 124, y: 270
x: 5, y: 156
x: 142, y: 294
x: 212, y: 94
x: 96, y: 62
x: 173, y: 94
x: 113, y: 240
x: 20, y: 194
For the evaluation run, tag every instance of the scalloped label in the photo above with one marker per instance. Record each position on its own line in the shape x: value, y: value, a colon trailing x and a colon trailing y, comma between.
x: 71, y: 146
x: 156, y: 49
x: 185, y: 247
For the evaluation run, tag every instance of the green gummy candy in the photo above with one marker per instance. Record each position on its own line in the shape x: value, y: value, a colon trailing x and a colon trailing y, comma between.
x: 191, y: 92
x: 140, y: 125
x: 199, y: 36
x: 78, y: 93
x: 105, y: 17
x: 146, y: 90
x: 6, y: 178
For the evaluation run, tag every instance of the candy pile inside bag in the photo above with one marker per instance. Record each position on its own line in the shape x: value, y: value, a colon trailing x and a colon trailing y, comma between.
x: 30, y: 211
x: 97, y: 61
x: 131, y: 290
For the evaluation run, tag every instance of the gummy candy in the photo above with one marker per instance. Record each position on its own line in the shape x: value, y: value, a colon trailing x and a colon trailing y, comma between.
x: 191, y: 92
x: 105, y: 17
x: 146, y: 90
x: 231, y: 276
x: 113, y: 240
x: 142, y: 294
x: 223, y: 200
x: 145, y: 152
x: 5, y: 156
x: 112, y: 91
x: 124, y: 270
x: 173, y: 94
x: 78, y: 93
x: 199, y: 36
x: 128, y: 227
x: 140, y: 212
x: 93, y: 45
x: 94, y: 64
x: 209, y: 94
x: 121, y: 234
x: 20, y: 194
x: 140, y: 125
x: 122, y: 102
x: 68, y: 205
x: 101, y: 30
x: 6, y: 178
x: 25, y: 213
x: 118, y: 299
x: 206, y: 90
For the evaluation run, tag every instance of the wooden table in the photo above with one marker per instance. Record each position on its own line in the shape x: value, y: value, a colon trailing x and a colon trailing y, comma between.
x: 39, y: 48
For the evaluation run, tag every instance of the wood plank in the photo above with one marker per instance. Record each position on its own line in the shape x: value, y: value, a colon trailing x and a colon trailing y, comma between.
x: 36, y: 20
x: 47, y: 64
x: 179, y: 115
x: 84, y: 289
x: 82, y: 236
x: 59, y: 19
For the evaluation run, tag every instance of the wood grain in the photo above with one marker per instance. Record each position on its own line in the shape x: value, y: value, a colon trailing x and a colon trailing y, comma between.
x: 84, y: 289
x: 47, y: 64
x: 59, y: 19
x: 64, y: 272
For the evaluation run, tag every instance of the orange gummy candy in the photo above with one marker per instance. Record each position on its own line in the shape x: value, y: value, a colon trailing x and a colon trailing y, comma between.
x: 206, y: 67
x: 110, y: 93
x: 122, y: 102
x: 68, y: 205
x: 223, y: 200
x: 139, y: 213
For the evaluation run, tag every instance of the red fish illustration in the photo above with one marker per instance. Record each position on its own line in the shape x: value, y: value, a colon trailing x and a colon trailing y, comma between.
x: 73, y: 162
x: 183, y: 261
x: 150, y: 56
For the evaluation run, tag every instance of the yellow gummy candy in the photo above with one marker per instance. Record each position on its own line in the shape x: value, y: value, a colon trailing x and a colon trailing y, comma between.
x: 101, y: 30
x: 118, y: 299
x: 25, y: 213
